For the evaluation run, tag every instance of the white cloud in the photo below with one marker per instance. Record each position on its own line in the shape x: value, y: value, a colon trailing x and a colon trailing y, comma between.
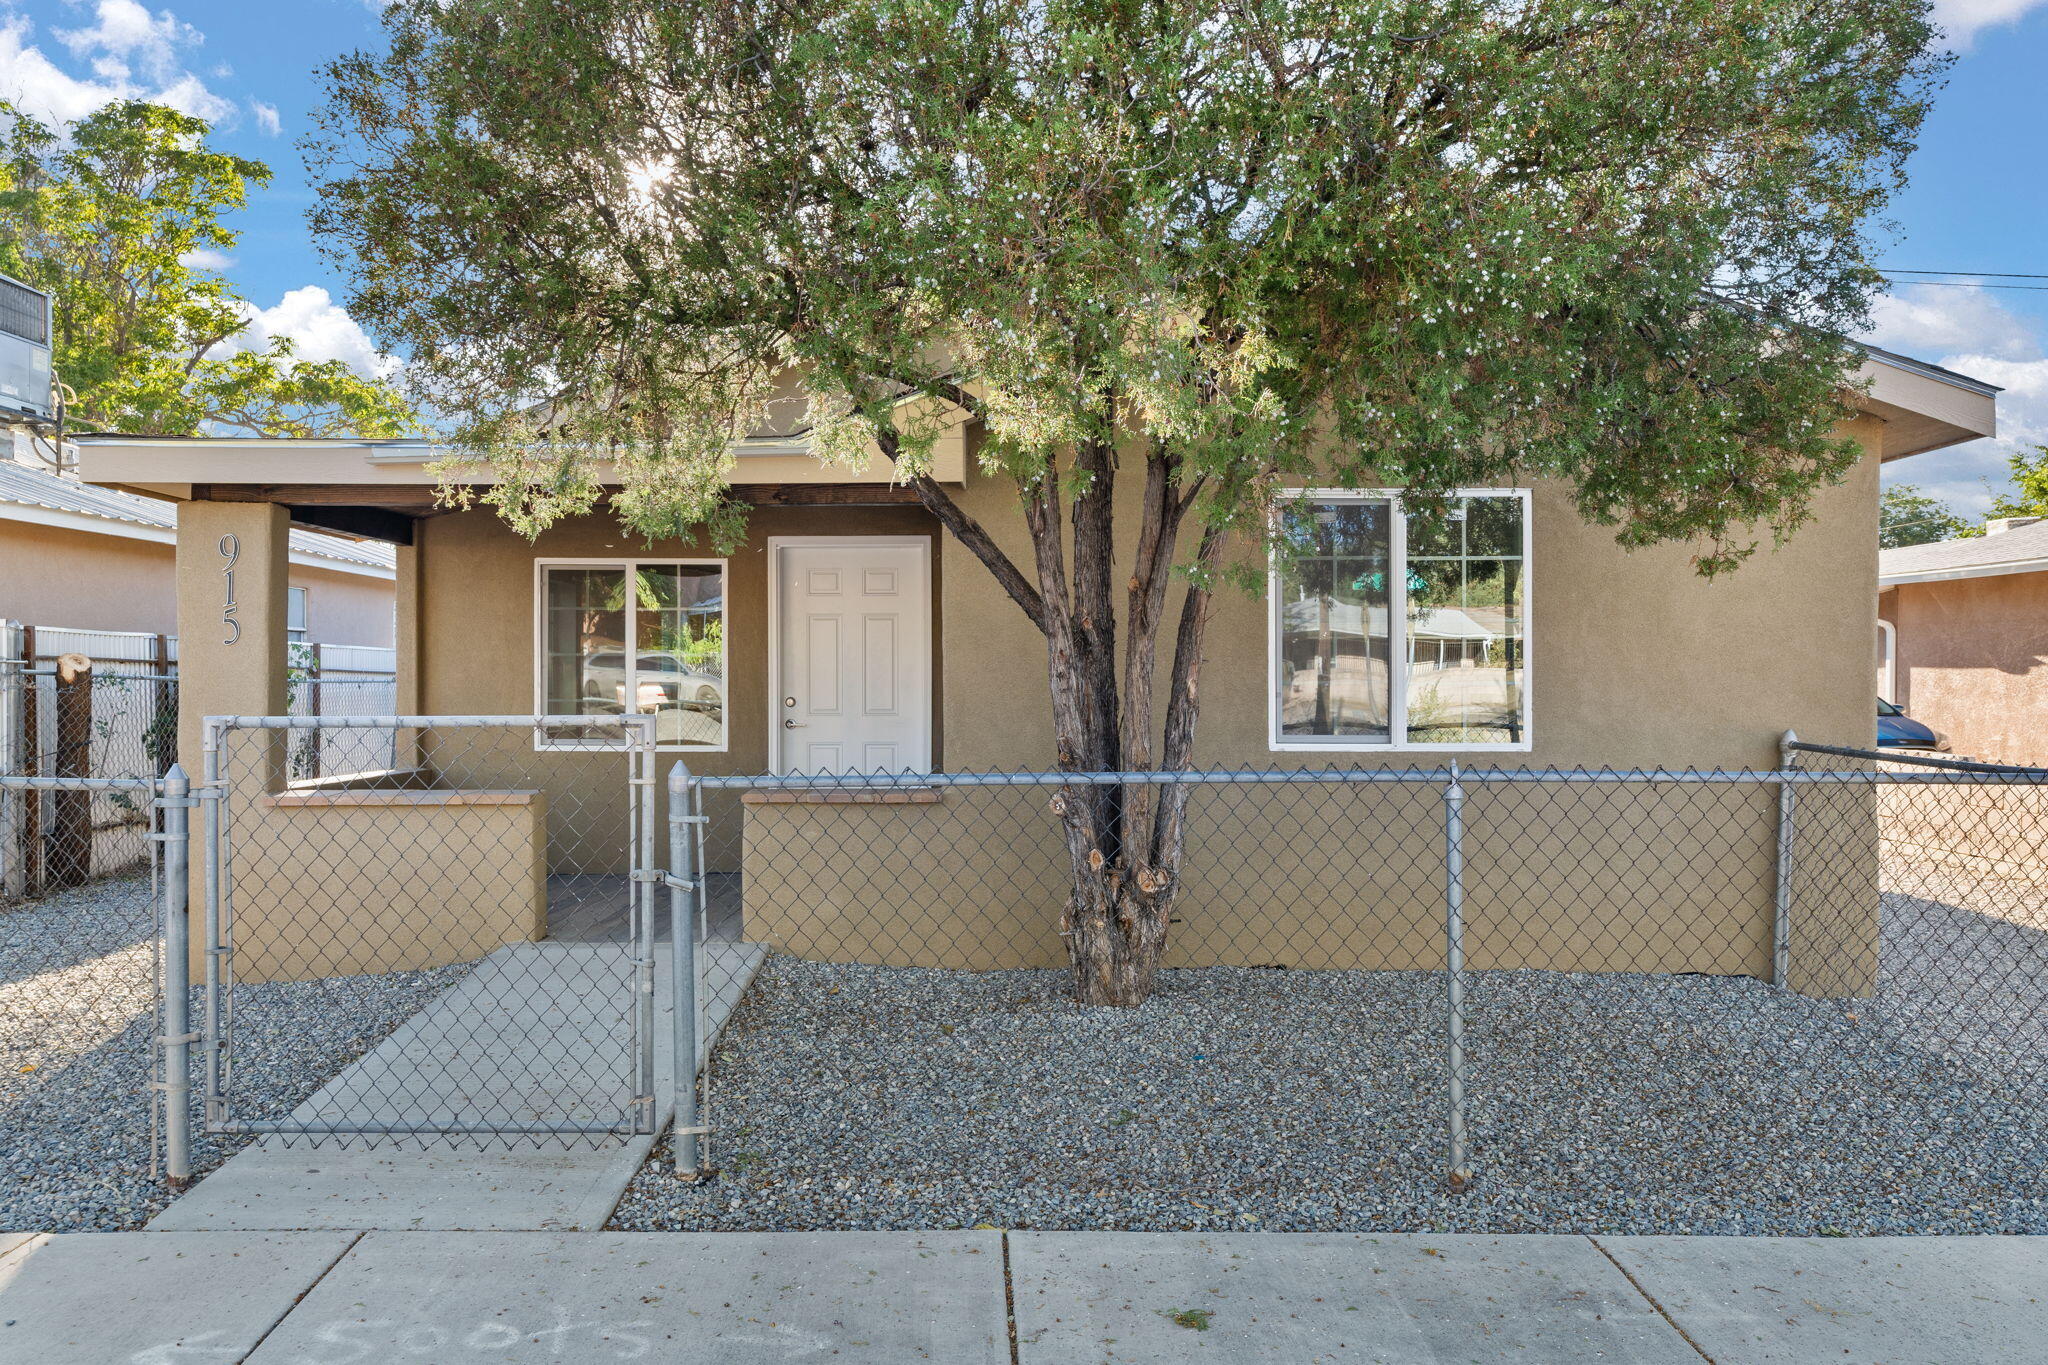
x: 126, y: 32
x: 1970, y: 331
x: 1962, y: 19
x: 266, y: 117
x: 1923, y: 319
x: 114, y: 49
x: 206, y: 258
x: 319, y: 328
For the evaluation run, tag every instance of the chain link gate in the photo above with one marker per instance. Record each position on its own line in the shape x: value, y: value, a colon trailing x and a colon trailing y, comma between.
x: 465, y: 908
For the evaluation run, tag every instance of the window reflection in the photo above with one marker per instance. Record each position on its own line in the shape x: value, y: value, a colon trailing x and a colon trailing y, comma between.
x: 1334, y: 656
x: 1465, y: 623
x: 673, y: 668
x: 1455, y: 667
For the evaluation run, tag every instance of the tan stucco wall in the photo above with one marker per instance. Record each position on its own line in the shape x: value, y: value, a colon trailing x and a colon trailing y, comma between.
x: 51, y: 576
x: 56, y: 576
x: 1634, y: 661
x: 345, y: 608
x: 475, y: 624
x: 342, y: 883
x: 1972, y: 662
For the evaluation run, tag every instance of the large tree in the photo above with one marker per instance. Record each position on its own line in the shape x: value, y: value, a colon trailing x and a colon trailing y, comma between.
x: 116, y: 215
x: 1218, y: 247
x: 2029, y: 494
x: 1908, y: 516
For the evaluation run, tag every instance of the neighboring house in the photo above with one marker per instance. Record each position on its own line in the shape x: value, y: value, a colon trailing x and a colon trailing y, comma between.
x: 96, y: 559
x: 1963, y: 642
x: 848, y: 633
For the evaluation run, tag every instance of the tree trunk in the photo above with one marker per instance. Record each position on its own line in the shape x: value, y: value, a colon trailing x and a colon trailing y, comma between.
x: 1124, y: 840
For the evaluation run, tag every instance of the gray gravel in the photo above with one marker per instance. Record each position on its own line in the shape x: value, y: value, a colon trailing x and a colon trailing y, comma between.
x: 868, y: 1097
x: 1965, y: 969
x: 76, y: 1043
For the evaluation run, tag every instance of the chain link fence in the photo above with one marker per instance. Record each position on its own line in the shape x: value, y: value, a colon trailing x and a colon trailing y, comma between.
x: 1601, y: 995
x: 80, y: 704
x: 452, y: 938
x: 1586, y: 999
x: 93, y: 1109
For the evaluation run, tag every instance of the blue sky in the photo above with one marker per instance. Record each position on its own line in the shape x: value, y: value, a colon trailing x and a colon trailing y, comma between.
x: 1978, y: 201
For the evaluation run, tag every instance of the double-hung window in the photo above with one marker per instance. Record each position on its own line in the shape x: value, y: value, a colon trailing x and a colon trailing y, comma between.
x: 1397, y: 628
x: 635, y: 636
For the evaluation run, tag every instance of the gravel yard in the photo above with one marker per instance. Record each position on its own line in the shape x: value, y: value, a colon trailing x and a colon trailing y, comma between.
x: 1965, y: 969
x: 76, y: 1031
x: 869, y: 1097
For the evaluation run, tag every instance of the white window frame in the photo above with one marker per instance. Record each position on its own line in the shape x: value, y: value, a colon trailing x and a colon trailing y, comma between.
x: 1397, y: 627
x: 543, y: 744
x: 304, y: 629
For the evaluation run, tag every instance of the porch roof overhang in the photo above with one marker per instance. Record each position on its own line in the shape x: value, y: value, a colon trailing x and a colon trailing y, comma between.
x: 1923, y: 407
x: 376, y: 490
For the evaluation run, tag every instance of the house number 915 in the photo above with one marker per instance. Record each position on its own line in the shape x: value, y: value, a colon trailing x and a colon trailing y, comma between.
x: 230, y: 550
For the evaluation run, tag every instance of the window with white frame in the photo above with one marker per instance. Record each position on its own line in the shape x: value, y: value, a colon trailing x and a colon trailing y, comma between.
x: 1398, y: 627
x: 635, y: 636
x: 295, y: 614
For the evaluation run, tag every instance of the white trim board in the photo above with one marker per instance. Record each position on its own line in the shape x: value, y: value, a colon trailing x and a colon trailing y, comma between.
x: 2009, y: 566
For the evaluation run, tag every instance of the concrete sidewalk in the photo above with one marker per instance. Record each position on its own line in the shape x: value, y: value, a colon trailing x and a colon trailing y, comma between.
x: 987, y: 1298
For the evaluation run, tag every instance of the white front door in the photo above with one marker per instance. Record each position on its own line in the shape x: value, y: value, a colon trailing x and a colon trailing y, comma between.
x: 853, y: 675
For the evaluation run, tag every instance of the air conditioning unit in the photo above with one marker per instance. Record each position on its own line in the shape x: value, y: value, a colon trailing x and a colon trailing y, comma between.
x: 25, y: 322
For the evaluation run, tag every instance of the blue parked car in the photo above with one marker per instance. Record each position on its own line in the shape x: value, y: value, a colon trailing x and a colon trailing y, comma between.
x: 1897, y: 730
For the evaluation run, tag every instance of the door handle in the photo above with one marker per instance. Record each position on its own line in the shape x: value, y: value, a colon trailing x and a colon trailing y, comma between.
x: 789, y: 724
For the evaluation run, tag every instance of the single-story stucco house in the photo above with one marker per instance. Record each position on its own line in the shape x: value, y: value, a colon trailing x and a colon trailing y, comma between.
x: 848, y: 633
x: 1963, y: 638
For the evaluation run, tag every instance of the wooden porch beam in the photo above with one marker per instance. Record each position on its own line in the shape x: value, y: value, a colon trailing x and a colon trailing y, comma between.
x: 418, y: 499
x: 370, y: 523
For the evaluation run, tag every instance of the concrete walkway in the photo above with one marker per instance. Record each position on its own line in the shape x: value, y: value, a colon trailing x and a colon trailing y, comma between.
x: 535, y: 1032
x: 1024, y: 1298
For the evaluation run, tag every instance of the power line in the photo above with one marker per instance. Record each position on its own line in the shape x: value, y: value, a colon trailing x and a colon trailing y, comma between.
x: 1985, y: 274
x: 1962, y: 284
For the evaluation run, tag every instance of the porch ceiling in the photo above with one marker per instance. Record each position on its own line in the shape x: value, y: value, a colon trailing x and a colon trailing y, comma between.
x: 387, y: 512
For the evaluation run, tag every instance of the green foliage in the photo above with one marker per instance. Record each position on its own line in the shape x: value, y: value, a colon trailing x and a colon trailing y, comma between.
x: 1449, y: 241
x: 2029, y: 497
x: 1907, y: 516
x: 108, y: 214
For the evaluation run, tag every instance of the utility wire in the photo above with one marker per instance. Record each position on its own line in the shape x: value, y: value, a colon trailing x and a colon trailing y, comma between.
x: 1970, y: 279
x: 1964, y: 284
x: 1989, y: 275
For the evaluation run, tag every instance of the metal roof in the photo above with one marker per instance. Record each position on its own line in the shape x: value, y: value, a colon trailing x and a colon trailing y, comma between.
x: 2024, y: 549
x: 24, y: 486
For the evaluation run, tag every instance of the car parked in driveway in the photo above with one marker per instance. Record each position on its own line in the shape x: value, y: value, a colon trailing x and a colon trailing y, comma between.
x: 1897, y: 730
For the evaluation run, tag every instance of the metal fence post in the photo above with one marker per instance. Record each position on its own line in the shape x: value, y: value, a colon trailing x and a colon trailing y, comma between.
x: 14, y: 751
x: 1781, y: 928
x: 682, y: 883
x: 644, y: 767
x: 176, y: 805
x: 212, y: 764
x: 1460, y: 1171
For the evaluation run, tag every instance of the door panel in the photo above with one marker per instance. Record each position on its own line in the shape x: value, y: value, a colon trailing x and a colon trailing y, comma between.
x: 853, y: 692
